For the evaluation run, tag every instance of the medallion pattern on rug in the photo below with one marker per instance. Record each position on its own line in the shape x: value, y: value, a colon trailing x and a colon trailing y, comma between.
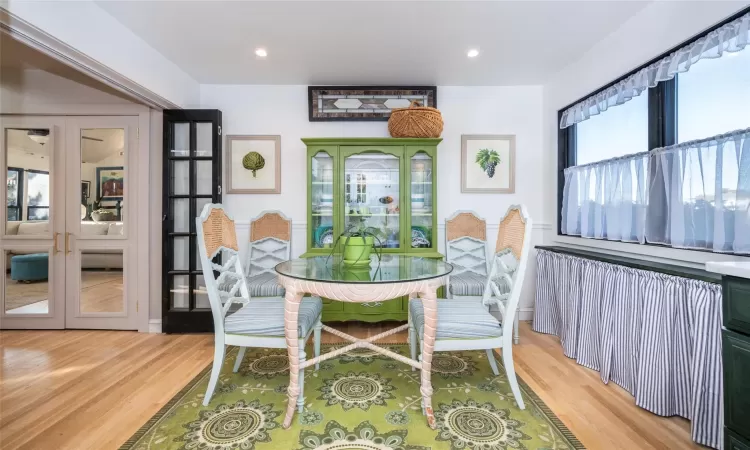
x: 356, y: 390
x: 238, y: 426
x: 354, y: 402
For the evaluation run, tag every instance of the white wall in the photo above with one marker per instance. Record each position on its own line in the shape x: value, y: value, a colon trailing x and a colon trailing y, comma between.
x: 657, y: 28
x: 21, y: 89
x: 89, y: 29
x: 282, y: 110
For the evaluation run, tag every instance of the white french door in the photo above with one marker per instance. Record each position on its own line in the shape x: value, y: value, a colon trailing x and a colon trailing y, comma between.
x: 86, y: 234
x: 100, y: 253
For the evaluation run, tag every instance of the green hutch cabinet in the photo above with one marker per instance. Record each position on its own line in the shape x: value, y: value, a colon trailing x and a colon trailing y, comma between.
x: 388, y: 184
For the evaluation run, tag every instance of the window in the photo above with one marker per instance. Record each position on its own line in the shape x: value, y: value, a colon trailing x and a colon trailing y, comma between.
x: 619, y: 131
x: 37, y: 183
x: 713, y: 97
x: 662, y: 155
x: 15, y: 193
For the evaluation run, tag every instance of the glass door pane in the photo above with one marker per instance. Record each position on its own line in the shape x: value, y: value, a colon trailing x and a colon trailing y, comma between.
x: 27, y: 182
x: 103, y: 194
x: 421, y: 201
x: 322, y: 200
x: 26, y: 287
x: 101, y: 281
x: 32, y: 174
x: 372, y: 196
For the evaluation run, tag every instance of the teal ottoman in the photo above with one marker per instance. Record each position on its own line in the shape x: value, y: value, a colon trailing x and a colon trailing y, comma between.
x: 33, y: 267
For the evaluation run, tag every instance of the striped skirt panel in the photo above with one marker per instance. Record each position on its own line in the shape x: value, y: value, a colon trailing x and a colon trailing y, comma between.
x: 658, y: 336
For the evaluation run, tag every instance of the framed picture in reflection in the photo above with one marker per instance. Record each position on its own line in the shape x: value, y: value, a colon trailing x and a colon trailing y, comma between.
x: 110, y: 183
x: 85, y: 191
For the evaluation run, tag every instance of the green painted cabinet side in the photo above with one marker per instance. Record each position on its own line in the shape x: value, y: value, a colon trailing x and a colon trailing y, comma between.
x: 736, y: 359
x: 736, y: 293
x: 404, y: 149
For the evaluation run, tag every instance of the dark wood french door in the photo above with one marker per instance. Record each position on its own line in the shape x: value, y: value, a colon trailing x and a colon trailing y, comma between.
x: 192, y: 179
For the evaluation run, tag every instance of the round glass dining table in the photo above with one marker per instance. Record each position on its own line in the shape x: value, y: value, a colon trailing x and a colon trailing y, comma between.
x: 390, y: 277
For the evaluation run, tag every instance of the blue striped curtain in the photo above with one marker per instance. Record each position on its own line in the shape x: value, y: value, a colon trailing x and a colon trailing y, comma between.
x: 658, y: 336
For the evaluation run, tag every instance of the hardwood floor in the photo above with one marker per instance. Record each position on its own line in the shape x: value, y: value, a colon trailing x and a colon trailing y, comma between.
x: 94, y: 389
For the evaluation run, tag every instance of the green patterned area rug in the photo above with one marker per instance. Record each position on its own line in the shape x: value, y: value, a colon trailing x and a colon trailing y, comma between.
x: 359, y: 401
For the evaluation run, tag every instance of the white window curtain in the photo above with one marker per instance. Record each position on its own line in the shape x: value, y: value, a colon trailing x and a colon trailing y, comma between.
x: 704, y: 194
x: 732, y: 37
x: 607, y: 199
x: 692, y: 195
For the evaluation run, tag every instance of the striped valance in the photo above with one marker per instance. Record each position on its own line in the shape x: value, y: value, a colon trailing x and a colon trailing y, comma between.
x: 732, y: 37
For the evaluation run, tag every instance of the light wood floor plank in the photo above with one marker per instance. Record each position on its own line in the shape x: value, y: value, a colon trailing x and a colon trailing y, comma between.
x: 94, y: 389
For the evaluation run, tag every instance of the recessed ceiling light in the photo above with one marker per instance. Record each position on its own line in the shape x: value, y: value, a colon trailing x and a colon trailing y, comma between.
x: 261, y: 52
x: 473, y: 53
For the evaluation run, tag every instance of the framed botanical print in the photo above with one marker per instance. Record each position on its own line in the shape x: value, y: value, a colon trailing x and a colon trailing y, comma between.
x: 253, y: 164
x: 110, y: 183
x: 488, y: 163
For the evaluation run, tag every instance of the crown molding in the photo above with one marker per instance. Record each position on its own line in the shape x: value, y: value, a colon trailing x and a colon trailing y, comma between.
x: 38, y: 39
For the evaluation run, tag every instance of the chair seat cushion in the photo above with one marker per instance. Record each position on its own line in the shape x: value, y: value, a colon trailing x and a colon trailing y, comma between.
x: 265, y: 317
x: 265, y: 285
x: 458, y: 319
x: 467, y: 284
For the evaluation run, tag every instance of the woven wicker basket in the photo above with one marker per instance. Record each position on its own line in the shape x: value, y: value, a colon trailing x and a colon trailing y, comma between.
x: 415, y: 121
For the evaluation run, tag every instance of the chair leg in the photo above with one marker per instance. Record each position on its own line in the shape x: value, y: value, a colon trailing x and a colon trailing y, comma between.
x: 238, y: 361
x: 302, y: 357
x: 511, y: 372
x: 491, y: 359
x: 219, y: 352
x: 413, y: 344
x: 516, y: 336
x: 316, y: 341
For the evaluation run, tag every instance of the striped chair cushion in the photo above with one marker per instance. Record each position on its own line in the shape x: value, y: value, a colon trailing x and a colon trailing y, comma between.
x: 458, y: 319
x: 265, y: 285
x: 265, y: 317
x: 467, y: 283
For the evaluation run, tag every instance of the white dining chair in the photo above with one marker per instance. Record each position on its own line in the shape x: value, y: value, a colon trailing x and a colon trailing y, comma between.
x: 467, y: 324
x: 466, y: 250
x: 270, y: 244
x: 259, y: 322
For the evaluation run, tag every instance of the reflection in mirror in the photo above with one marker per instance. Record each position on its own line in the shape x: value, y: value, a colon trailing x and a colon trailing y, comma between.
x: 27, y: 181
x: 101, y: 281
x: 103, y: 203
x: 26, y: 283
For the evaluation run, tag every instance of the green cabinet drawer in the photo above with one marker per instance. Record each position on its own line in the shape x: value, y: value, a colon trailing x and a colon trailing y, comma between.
x: 385, y: 307
x: 736, y: 294
x: 733, y: 441
x: 332, y: 305
x: 736, y: 353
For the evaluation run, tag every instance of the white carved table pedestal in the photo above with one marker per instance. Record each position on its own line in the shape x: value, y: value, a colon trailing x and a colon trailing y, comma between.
x: 360, y: 293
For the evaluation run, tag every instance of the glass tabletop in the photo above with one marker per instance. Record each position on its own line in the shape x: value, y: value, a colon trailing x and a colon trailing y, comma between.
x: 390, y: 269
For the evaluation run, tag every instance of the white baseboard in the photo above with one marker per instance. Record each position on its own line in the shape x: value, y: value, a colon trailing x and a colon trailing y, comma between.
x: 525, y: 314
x: 154, y: 325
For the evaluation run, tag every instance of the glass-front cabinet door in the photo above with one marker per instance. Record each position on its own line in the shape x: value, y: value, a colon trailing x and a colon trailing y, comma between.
x: 422, y: 198
x: 373, y: 194
x: 323, y: 201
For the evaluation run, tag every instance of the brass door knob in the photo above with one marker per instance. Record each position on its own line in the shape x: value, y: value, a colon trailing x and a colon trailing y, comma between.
x: 67, y: 243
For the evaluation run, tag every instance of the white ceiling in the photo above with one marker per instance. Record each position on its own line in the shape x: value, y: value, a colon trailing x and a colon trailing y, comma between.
x: 372, y: 42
